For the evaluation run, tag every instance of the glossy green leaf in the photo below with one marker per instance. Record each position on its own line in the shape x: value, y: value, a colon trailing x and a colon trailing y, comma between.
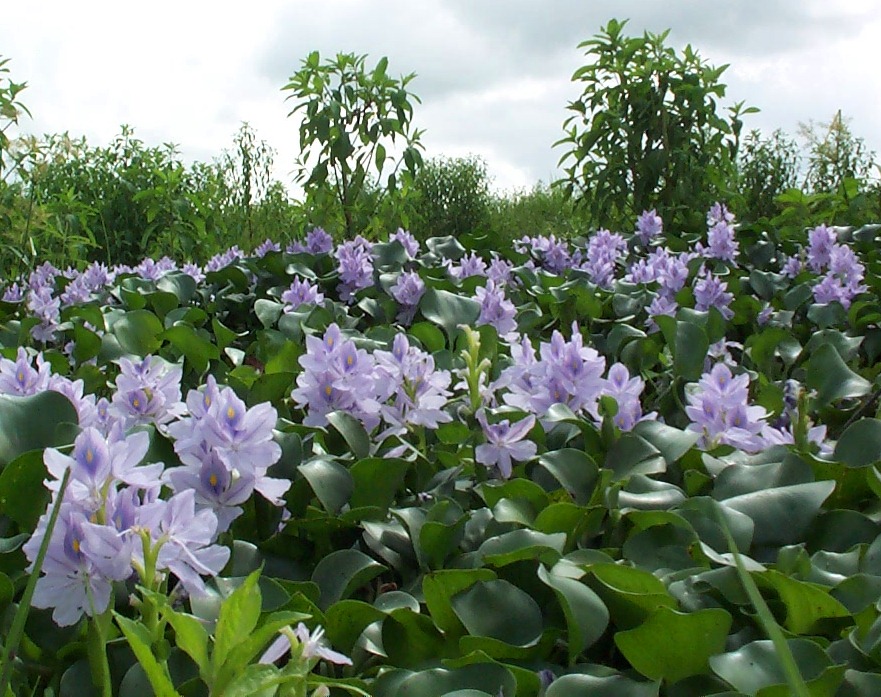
x: 341, y: 573
x: 586, y: 615
x: 33, y: 423
x: 138, y: 332
x: 755, y: 667
x: 829, y: 375
x: 782, y: 515
x: 352, y: 432
x: 673, y: 645
x: 195, y: 348
x: 630, y: 594
x: 239, y: 614
x: 140, y: 642
x: 439, y: 587
x: 860, y: 444
x: 613, y: 685
x: 499, y: 610
x: 331, y: 482
x: 448, y: 311
x: 575, y: 471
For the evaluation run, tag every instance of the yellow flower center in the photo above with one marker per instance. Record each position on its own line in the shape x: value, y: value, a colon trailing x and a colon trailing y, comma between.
x: 90, y: 455
x: 328, y: 390
x: 76, y: 546
x: 230, y: 413
x: 212, y: 480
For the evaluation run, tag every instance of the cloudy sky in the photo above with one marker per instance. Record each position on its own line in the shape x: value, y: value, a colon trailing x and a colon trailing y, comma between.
x: 493, y: 75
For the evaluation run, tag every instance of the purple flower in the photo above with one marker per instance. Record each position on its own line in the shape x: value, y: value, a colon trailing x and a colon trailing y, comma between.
x: 496, y: 310
x: 469, y: 265
x: 47, y: 308
x: 603, y: 250
x: 626, y: 391
x: 265, y: 247
x: 722, y: 243
x: 820, y: 242
x: 194, y: 271
x: 648, y: 226
x: 148, y: 391
x: 792, y: 266
x: 718, y: 406
x: 500, y: 271
x: 301, y: 293
x: 337, y: 376
x: 13, y: 293
x: 660, y: 305
x: 224, y: 259
x: 20, y: 378
x: 184, y: 538
x: 408, y: 242
x: 408, y: 291
x: 82, y: 561
x: 567, y: 372
x: 355, y: 267
x: 417, y: 392
x: 504, y: 443
x: 709, y: 292
x: 317, y: 242
x: 719, y: 213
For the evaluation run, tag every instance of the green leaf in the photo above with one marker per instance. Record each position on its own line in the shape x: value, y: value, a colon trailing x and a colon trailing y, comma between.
x: 755, y: 667
x: 783, y: 514
x: 689, y: 345
x: 860, y: 444
x: 613, y: 685
x: 258, y: 681
x: 331, y: 482
x: 239, y: 614
x: 499, y: 610
x: 195, y: 347
x: 352, y: 432
x: 630, y: 594
x: 440, y: 586
x: 138, y: 332
x: 341, y: 573
x: 673, y: 645
x: 191, y: 636
x: 410, y: 639
x: 449, y: 310
x: 34, y: 423
x: 519, y: 545
x: 809, y: 606
x: 486, y: 677
x: 140, y: 641
x: 574, y: 469
x: 347, y: 619
x: 23, y: 496
x: 670, y: 442
x: 829, y: 375
x: 376, y: 481
x: 586, y: 615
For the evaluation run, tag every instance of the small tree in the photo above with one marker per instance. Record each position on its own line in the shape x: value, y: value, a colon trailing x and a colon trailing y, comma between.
x: 452, y: 197
x: 11, y: 110
x: 354, y: 123
x: 767, y: 167
x: 835, y: 155
x: 645, y: 133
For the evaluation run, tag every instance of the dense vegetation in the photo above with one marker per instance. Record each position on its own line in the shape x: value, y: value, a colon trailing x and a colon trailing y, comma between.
x: 610, y: 436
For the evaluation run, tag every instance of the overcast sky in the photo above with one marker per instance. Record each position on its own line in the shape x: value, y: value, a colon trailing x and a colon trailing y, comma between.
x: 493, y: 75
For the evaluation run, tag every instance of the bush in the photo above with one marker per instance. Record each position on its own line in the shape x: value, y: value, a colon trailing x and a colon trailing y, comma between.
x: 645, y: 132
x: 451, y: 196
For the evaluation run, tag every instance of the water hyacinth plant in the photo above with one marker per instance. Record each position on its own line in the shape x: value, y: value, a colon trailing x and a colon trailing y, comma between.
x: 394, y: 468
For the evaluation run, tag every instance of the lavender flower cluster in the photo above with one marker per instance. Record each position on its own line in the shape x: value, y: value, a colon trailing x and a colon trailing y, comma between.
x: 121, y: 517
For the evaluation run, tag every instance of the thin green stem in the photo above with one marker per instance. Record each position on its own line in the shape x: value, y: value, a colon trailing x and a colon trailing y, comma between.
x: 766, y: 619
x: 21, y: 614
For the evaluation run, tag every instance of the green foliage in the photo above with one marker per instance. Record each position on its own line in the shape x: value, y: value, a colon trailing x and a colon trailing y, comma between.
x: 452, y: 197
x: 355, y: 121
x: 11, y: 109
x: 543, y: 210
x: 834, y: 155
x: 645, y: 132
x: 767, y: 166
